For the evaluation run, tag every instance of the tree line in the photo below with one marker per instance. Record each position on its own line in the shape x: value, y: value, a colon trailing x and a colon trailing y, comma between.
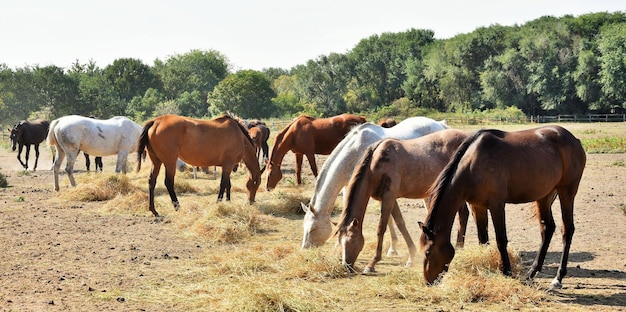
x: 550, y: 65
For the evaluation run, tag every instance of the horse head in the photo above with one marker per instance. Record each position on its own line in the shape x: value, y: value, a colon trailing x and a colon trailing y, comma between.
x: 16, y: 132
x: 317, y: 227
x: 274, y: 175
x: 351, y: 241
x: 438, y: 254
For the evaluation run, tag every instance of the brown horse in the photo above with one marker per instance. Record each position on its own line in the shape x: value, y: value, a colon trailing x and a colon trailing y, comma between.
x: 308, y: 136
x: 391, y: 169
x: 264, y: 135
x: 492, y: 168
x: 222, y: 141
x: 387, y: 122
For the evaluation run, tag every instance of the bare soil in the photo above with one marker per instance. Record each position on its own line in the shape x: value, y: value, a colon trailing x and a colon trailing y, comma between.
x: 59, y: 256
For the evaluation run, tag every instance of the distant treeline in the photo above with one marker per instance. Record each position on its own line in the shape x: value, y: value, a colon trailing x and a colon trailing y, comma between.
x: 548, y: 66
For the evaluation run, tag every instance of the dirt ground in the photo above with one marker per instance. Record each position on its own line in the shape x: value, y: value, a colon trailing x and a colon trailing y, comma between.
x: 76, y: 251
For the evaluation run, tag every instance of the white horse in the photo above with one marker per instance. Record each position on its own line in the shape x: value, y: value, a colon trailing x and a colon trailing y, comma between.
x: 71, y: 134
x: 338, y: 168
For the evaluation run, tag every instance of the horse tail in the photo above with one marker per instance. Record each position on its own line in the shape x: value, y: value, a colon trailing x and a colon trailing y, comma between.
x: 355, y: 184
x: 448, y: 172
x: 143, y: 142
x: 51, y: 139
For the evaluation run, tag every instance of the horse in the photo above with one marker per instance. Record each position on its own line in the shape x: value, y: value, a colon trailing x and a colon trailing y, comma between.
x: 264, y: 136
x: 387, y: 122
x: 25, y: 133
x: 391, y: 169
x: 71, y: 134
x: 257, y: 137
x: 338, y: 167
x: 308, y: 136
x: 492, y: 168
x: 221, y: 141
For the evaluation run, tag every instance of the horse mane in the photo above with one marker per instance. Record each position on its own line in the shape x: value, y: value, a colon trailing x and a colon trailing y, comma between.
x: 437, y: 189
x: 240, y: 122
x: 355, y: 184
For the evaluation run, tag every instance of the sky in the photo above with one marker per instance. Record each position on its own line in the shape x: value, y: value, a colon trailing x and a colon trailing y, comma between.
x: 251, y: 34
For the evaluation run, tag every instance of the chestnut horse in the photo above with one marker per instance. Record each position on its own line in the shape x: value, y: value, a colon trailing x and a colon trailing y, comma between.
x: 492, y: 168
x: 392, y: 169
x: 338, y: 168
x: 25, y: 133
x: 222, y: 141
x: 387, y: 122
x: 308, y: 136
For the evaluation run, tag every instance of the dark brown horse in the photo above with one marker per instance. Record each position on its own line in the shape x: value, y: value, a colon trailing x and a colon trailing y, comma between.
x: 392, y: 169
x: 25, y: 133
x: 308, y: 136
x: 492, y: 168
x: 222, y: 141
x: 260, y: 133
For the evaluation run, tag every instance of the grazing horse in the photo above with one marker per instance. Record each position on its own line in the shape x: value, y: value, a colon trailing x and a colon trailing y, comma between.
x: 27, y: 133
x: 264, y: 136
x: 338, y: 168
x: 492, y: 168
x: 257, y: 137
x: 222, y: 141
x: 73, y: 133
x: 391, y: 169
x: 308, y: 136
x: 387, y: 122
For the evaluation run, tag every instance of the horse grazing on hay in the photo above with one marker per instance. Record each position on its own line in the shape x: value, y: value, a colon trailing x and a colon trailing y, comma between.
x: 73, y: 133
x: 25, y: 133
x: 260, y: 133
x: 308, y: 136
x: 338, y: 168
x: 392, y: 169
x: 492, y: 168
x: 222, y: 141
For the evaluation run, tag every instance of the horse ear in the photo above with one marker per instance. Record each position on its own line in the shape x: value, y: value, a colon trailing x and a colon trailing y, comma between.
x: 307, y: 208
x: 354, y: 222
x: 334, y: 222
x: 263, y: 169
x: 428, y: 232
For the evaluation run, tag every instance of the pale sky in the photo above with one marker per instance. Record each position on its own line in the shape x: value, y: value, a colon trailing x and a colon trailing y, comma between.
x: 252, y: 34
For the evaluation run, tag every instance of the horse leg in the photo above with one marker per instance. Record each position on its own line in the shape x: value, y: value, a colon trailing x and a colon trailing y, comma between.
x: 87, y: 161
x: 393, y: 248
x: 299, y: 158
x: 120, y: 166
x: 482, y: 223
x: 69, y: 167
x: 387, y: 206
x: 99, y: 165
x: 567, y: 215
x: 397, y: 217
x: 499, y: 223
x: 19, y: 156
x: 27, y: 156
x: 463, y: 216
x: 36, y: 156
x: 546, y: 228
x: 224, y: 184
x: 56, y: 167
x: 170, y: 171
x: 312, y: 163
x: 154, y: 173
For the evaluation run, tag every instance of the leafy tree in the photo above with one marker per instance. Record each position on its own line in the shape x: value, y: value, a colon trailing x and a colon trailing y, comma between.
x: 246, y: 93
x: 612, y: 46
x: 57, y: 90
x: 129, y: 78
x: 288, y: 95
x: 195, y: 71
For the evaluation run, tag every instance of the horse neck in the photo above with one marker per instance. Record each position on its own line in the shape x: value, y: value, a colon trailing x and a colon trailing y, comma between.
x: 443, y: 209
x: 280, y: 148
x: 251, y: 161
x: 338, y: 168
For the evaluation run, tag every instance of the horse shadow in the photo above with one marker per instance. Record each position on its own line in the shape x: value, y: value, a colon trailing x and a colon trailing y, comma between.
x: 576, y: 270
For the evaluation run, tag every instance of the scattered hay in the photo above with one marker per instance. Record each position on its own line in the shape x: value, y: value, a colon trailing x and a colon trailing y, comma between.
x: 99, y: 187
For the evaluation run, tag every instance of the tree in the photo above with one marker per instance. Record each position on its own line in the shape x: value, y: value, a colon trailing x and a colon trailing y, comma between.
x: 247, y: 93
x: 612, y: 48
x: 195, y: 71
x: 129, y: 78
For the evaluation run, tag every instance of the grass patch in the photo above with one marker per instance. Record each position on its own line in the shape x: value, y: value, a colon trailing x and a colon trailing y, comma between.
x: 604, y: 145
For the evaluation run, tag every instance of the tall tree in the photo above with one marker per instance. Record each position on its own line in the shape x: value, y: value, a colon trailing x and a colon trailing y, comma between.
x: 129, y: 78
x: 247, y: 93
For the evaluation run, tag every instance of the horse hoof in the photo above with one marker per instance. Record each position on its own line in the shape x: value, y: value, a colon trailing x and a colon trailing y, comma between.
x: 392, y: 252
x: 176, y: 205
x: 556, y: 284
x: 369, y: 270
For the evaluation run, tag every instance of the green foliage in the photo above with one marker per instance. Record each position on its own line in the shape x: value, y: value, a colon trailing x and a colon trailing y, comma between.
x: 3, y: 180
x: 247, y: 93
x: 604, y: 145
